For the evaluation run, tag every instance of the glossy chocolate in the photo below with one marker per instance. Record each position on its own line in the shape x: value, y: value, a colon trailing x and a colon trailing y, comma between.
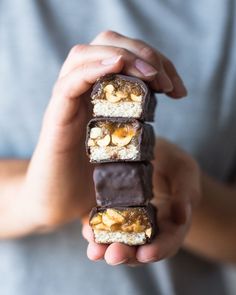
x: 123, y: 184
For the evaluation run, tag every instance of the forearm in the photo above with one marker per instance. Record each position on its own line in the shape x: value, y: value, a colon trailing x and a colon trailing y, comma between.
x: 12, y: 214
x: 212, y: 233
x: 26, y: 208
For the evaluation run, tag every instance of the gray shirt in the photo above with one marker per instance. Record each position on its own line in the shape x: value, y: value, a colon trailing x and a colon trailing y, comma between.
x: 35, y: 37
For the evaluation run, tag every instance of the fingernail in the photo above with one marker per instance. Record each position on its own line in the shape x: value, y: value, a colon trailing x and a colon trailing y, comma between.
x: 118, y: 263
x: 111, y: 60
x: 179, y: 88
x: 145, y: 68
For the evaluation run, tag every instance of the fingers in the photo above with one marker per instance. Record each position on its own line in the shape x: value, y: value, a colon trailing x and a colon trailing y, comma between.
x: 96, y: 251
x: 118, y: 253
x: 167, y: 80
x: 113, y: 254
x: 180, y: 171
x: 167, y: 243
x: 179, y: 89
x: 87, y: 232
x: 133, y: 66
x: 65, y: 101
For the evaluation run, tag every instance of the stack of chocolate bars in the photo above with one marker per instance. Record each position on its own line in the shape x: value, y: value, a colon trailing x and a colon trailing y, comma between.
x: 122, y: 145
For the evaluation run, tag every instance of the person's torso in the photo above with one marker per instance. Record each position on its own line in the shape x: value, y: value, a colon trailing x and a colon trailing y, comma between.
x: 35, y: 37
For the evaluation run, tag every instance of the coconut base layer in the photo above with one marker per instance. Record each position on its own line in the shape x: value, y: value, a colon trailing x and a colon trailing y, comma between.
x: 103, y: 108
x: 129, y: 152
x: 132, y: 239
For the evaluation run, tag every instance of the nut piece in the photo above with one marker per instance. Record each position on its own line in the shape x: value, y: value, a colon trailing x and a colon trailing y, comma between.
x: 96, y: 219
x: 91, y: 142
x: 136, y: 98
x: 107, y: 220
x: 121, y: 94
x: 122, y: 136
x: 112, y: 98
x: 95, y: 132
x: 103, y: 142
x: 115, y: 215
x: 99, y: 226
x: 109, y: 88
x: 148, y: 232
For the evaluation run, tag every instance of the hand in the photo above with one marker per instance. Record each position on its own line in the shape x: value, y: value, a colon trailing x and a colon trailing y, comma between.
x: 58, y: 185
x: 176, y: 191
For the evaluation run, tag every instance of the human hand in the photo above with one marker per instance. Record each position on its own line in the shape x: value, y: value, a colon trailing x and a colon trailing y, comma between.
x: 58, y: 185
x: 176, y: 191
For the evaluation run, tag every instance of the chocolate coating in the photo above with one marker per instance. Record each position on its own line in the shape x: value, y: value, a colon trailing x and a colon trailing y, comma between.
x: 123, y: 184
x: 149, y: 101
x: 145, y: 142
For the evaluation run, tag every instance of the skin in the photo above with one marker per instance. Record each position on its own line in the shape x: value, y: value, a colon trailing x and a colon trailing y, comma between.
x: 49, y: 190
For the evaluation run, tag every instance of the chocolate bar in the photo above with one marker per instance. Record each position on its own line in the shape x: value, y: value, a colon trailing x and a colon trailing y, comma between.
x: 123, y: 184
x: 128, y: 225
x: 123, y: 96
x: 119, y: 139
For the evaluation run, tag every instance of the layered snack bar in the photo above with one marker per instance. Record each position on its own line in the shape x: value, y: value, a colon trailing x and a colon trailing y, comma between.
x: 123, y: 184
x: 119, y: 139
x: 129, y: 225
x: 123, y: 96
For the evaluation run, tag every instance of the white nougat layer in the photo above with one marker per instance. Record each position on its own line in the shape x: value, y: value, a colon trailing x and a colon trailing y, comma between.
x: 129, y: 152
x: 106, y: 237
x: 126, y: 109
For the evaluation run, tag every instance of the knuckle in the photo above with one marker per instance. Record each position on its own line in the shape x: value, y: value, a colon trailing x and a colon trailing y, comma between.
x: 77, y: 49
x: 109, y: 34
x: 148, y: 52
x: 122, y: 51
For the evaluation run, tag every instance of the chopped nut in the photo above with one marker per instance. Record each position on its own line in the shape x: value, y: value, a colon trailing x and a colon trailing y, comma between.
x: 104, y: 141
x: 112, y: 98
x: 109, y: 88
x: 107, y: 220
x: 95, y: 132
x: 115, y: 215
x: 121, y: 94
x: 91, y: 142
x: 100, y: 226
x: 134, y: 227
x: 148, y: 232
x: 122, y: 136
x: 136, y: 98
x: 96, y: 219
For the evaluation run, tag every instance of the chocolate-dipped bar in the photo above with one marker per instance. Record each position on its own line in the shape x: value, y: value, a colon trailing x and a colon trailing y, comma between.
x: 128, y: 225
x: 123, y: 96
x: 123, y: 184
x: 119, y: 139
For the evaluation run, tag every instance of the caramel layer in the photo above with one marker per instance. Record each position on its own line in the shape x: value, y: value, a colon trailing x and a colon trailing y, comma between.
x: 125, y: 220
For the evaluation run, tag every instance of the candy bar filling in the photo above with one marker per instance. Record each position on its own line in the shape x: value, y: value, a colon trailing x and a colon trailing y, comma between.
x: 113, y: 140
x: 131, y: 226
x: 118, y: 98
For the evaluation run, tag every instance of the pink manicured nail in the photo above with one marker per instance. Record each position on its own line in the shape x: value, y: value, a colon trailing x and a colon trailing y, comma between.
x: 111, y: 60
x: 146, y: 69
